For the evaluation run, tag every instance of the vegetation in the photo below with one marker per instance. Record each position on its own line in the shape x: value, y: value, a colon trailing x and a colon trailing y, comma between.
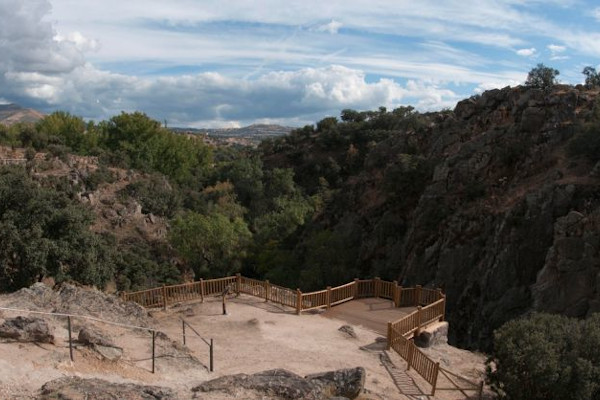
x: 546, y: 357
x: 592, y: 78
x: 542, y: 77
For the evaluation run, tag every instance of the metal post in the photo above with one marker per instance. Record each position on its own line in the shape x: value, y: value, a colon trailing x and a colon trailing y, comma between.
x: 70, y: 339
x: 183, y: 327
x: 153, y: 351
x: 211, y: 355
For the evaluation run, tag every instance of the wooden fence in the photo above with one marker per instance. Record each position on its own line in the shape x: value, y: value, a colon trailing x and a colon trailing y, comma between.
x: 430, y: 305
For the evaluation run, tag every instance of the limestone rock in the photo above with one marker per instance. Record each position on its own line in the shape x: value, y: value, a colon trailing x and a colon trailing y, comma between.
x: 26, y: 329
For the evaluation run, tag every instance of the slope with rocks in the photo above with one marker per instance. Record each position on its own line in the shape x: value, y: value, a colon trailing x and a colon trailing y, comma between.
x: 485, y: 201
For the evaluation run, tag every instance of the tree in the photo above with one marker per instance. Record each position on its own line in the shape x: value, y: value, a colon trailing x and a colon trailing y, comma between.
x: 592, y: 78
x: 213, y: 245
x: 546, y: 357
x: 43, y: 232
x: 542, y: 77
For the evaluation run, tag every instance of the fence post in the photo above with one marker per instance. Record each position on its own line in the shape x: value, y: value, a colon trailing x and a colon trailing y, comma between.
x: 389, y: 335
x: 153, y: 347
x: 238, y: 283
x: 417, y: 295
x: 183, y: 328
x: 410, y: 354
x: 328, y: 296
x: 441, y: 296
x: 419, y: 319
x: 376, y: 283
x: 211, y: 355
x: 70, y: 339
x: 202, y: 290
x: 356, y: 288
x: 164, y: 294
x: 435, y: 377
x: 396, y: 294
x: 267, y: 290
x: 298, y: 301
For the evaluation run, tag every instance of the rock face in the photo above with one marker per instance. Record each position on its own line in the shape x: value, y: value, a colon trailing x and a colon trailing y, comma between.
x: 508, y: 223
x: 100, y: 343
x: 287, y: 385
x: 25, y: 329
x: 74, y: 388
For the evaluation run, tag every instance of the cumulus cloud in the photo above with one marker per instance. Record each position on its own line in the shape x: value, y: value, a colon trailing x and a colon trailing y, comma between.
x: 526, y: 52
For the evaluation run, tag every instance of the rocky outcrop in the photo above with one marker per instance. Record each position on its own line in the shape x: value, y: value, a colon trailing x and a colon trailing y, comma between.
x: 75, y: 388
x: 287, y: 385
x: 508, y: 223
x: 100, y: 343
x: 26, y: 329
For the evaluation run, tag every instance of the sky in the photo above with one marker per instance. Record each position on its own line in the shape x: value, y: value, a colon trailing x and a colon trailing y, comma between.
x: 216, y: 63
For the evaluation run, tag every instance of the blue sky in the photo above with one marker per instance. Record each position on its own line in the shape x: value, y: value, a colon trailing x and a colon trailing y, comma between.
x: 209, y: 63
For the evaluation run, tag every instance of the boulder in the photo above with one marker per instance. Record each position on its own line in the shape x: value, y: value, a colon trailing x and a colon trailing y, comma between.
x: 348, y: 330
x: 433, y: 334
x: 25, y: 329
x: 277, y: 382
x: 75, y: 388
x: 347, y: 383
x: 89, y: 337
x: 344, y: 382
x: 100, y: 343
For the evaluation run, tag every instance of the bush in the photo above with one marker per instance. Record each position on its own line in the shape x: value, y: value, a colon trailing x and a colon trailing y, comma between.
x: 542, y: 77
x: 546, y: 357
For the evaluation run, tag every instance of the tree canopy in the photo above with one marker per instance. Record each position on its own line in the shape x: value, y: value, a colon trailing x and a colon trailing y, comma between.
x: 542, y: 77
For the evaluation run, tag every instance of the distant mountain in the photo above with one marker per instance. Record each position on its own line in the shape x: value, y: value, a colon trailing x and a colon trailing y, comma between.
x: 251, y: 134
x: 13, y: 113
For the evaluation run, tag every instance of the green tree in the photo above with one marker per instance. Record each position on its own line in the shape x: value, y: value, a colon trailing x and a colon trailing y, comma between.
x: 592, y: 78
x: 542, y: 77
x: 43, y: 232
x: 213, y: 245
x: 546, y: 357
x: 67, y: 129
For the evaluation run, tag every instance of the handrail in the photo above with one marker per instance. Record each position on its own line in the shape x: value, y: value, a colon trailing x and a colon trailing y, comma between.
x: 210, y: 345
x: 430, y: 305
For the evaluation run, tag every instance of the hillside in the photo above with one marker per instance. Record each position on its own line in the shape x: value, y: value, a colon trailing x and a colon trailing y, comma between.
x: 12, y: 113
x: 496, y: 201
x: 486, y: 201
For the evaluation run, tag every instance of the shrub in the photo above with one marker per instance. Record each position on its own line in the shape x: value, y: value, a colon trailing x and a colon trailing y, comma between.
x: 546, y: 357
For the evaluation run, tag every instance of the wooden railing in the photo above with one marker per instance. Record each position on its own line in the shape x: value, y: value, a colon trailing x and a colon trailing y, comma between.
x: 430, y: 305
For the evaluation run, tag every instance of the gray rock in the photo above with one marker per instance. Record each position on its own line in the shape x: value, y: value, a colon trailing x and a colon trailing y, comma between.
x: 100, y: 344
x: 287, y: 385
x: 89, y: 336
x: 344, y: 382
x: 75, y: 388
x: 348, y: 330
x: 25, y: 329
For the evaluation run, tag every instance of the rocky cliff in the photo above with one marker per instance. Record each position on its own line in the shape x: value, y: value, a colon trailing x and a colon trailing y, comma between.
x: 517, y: 225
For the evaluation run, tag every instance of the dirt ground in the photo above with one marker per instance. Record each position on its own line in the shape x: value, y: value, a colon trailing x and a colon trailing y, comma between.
x: 254, y: 336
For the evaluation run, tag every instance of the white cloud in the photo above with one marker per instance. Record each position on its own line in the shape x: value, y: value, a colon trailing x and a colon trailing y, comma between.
x: 332, y: 27
x: 555, y: 48
x: 526, y: 52
x: 596, y: 13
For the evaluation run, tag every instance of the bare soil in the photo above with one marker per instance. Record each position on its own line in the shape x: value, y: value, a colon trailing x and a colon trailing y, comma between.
x: 254, y: 336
